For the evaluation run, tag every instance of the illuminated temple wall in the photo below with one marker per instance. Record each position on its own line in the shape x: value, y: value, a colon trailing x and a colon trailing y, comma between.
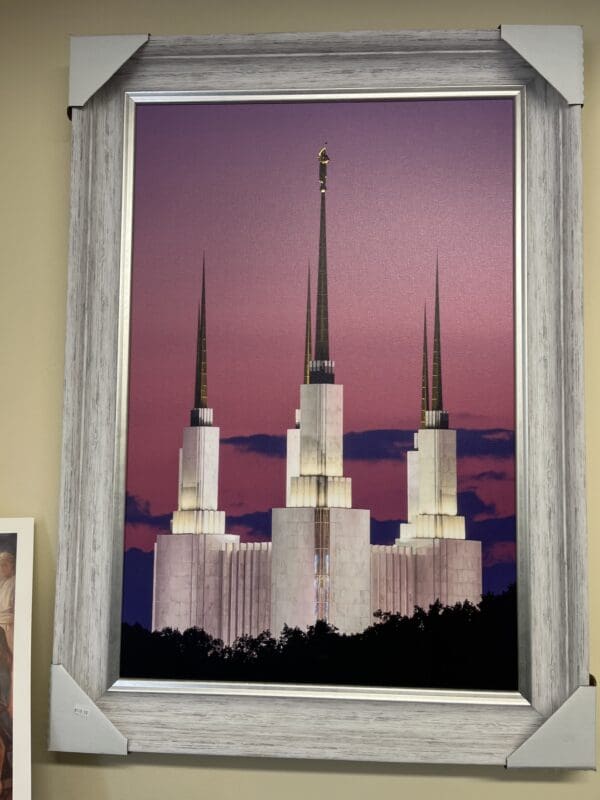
x: 213, y: 582
x: 224, y: 586
x: 417, y: 574
x: 320, y: 544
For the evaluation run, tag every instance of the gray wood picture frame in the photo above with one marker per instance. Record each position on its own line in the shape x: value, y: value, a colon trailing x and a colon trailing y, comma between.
x: 550, y: 721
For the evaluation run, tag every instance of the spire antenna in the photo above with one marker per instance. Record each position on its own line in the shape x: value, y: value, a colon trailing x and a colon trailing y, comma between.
x: 199, y: 416
x: 308, y: 333
x: 322, y: 366
x: 424, y: 374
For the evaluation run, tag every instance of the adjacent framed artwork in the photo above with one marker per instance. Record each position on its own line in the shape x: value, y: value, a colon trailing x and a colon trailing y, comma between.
x: 16, y: 574
x: 323, y: 454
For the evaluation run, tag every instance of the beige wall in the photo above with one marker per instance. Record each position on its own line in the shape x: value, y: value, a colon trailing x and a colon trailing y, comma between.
x: 34, y: 169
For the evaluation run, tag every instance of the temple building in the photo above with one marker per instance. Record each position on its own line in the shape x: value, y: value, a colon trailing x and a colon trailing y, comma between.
x: 204, y: 577
x: 431, y: 556
x: 320, y: 545
x: 320, y: 564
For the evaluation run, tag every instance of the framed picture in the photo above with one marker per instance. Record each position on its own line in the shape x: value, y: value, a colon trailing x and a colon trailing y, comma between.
x: 323, y: 449
x: 16, y: 573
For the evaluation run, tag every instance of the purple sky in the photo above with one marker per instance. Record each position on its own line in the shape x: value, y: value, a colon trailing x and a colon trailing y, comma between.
x: 239, y: 181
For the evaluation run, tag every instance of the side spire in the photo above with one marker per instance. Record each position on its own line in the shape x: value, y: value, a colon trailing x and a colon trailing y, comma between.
x: 321, y: 366
x: 425, y: 374
x: 308, y: 334
x: 200, y: 413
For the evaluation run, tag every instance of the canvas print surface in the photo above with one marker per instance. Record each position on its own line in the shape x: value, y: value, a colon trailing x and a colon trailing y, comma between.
x: 321, y: 428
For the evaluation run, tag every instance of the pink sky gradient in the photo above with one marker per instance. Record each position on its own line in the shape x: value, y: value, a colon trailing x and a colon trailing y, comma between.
x: 239, y: 181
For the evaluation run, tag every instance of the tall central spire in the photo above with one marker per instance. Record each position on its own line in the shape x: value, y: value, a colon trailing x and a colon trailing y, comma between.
x: 438, y: 418
x: 437, y: 402
x: 308, y: 334
x: 321, y: 367
x: 322, y: 338
x: 200, y: 413
x: 425, y: 374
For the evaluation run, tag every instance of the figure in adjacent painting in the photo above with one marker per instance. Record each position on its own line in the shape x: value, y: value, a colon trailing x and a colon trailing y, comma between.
x: 7, y: 620
x: 7, y: 596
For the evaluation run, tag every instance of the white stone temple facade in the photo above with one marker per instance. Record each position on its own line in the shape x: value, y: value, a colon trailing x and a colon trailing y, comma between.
x: 204, y: 577
x: 431, y: 559
x: 320, y: 563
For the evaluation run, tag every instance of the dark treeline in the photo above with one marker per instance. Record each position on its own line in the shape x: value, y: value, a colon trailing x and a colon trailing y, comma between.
x: 461, y: 646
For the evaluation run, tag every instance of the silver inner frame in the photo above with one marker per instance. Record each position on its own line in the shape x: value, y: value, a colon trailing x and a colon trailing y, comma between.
x: 132, y: 99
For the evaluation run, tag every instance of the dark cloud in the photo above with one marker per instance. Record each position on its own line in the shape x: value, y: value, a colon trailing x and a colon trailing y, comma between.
x: 493, y: 442
x: 138, y: 569
x: 498, y: 578
x: 137, y: 512
x: 257, y: 524
x: 386, y: 444
x: 499, y: 553
x: 470, y: 505
x: 489, y: 475
x: 377, y: 445
x: 384, y: 531
x: 497, y: 536
x: 493, y: 530
x: 263, y: 444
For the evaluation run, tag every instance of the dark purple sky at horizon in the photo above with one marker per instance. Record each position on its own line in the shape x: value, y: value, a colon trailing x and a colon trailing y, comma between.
x: 407, y: 179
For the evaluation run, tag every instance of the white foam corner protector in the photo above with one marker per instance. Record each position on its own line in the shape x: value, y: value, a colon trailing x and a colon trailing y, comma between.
x: 76, y: 723
x: 555, y: 51
x: 567, y: 739
x: 95, y: 59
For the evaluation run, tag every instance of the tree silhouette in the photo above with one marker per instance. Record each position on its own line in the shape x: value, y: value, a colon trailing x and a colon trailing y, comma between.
x: 464, y: 646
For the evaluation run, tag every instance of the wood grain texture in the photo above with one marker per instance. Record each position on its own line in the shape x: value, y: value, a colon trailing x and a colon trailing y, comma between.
x: 340, y: 43
x: 90, y: 559
x: 326, y: 729
x: 576, y: 551
x: 551, y: 547
x: 318, y: 70
x: 552, y: 537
